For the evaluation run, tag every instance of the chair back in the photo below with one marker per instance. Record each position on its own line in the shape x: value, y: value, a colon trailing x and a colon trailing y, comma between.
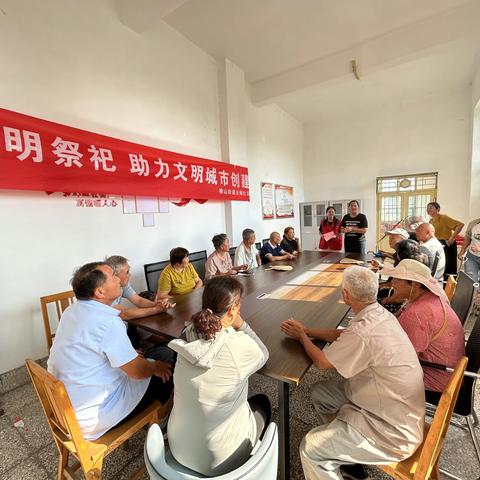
x: 152, y: 273
x: 450, y: 287
x: 58, y: 409
x: 61, y: 301
x: 265, y: 240
x: 462, y: 299
x: 232, y: 254
x: 198, y: 259
x: 262, y: 464
x: 258, y: 245
x: 465, y: 403
x: 434, y: 438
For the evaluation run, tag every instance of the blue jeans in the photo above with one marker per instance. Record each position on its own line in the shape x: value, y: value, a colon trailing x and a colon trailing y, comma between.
x: 472, y: 266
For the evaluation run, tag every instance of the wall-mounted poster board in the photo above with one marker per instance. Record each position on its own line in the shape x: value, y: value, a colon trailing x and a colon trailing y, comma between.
x: 284, y: 206
x: 268, y: 201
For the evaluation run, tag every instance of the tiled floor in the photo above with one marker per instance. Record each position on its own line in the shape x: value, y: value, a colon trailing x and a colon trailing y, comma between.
x: 28, y: 453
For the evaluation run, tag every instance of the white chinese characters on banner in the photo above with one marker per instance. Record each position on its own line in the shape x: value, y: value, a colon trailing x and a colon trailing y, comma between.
x: 139, y: 165
x: 100, y: 157
x: 28, y: 143
x: 163, y: 169
x: 180, y: 171
x: 197, y: 173
x: 63, y: 153
x: 67, y: 153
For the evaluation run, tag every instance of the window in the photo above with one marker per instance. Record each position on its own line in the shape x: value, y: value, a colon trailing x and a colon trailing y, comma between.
x: 402, y: 197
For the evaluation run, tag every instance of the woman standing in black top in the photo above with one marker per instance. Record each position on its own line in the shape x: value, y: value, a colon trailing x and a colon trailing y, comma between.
x: 354, y: 226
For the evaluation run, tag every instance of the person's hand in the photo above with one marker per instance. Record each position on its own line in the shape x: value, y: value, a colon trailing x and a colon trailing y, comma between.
x: 163, y: 370
x: 241, y: 267
x: 232, y: 272
x: 376, y: 264
x: 290, y: 256
x: 475, y: 248
x: 293, y: 328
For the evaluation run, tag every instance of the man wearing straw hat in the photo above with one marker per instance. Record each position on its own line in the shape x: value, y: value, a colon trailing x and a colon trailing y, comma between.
x: 432, y: 326
x: 375, y: 413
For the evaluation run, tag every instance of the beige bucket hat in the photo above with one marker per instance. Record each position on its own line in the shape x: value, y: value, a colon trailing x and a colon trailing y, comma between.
x: 414, y: 271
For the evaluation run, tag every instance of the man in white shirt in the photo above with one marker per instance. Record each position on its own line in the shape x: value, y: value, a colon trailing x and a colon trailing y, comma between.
x: 246, y: 253
x: 426, y: 236
x: 375, y: 413
x: 106, y: 380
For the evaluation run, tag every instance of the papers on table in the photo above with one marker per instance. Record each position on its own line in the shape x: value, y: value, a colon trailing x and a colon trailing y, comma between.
x: 351, y: 261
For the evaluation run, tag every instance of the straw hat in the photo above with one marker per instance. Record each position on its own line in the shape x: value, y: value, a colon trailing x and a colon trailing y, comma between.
x: 414, y: 271
x: 399, y: 231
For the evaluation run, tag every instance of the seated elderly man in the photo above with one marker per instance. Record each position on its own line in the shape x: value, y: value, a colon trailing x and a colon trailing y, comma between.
x: 375, y: 414
x: 143, y: 307
x: 426, y: 236
x: 140, y: 338
x: 246, y: 253
x: 272, y: 251
x: 394, y: 236
x: 106, y: 380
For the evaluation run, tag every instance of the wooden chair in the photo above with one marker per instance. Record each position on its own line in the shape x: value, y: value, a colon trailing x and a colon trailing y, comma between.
x: 66, y: 432
x: 450, y: 287
x: 423, y: 463
x: 62, y: 301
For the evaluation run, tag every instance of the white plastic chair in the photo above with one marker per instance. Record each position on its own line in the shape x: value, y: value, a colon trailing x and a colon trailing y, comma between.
x: 262, y: 464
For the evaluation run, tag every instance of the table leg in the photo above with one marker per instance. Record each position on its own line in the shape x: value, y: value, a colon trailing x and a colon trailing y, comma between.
x: 284, y: 429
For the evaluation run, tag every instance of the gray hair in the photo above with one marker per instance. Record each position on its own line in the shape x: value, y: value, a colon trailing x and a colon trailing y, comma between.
x: 361, y: 283
x: 116, y: 263
x: 247, y: 233
x: 218, y: 240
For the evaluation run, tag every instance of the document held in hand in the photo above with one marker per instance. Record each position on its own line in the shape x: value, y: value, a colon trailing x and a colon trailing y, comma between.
x: 328, y: 236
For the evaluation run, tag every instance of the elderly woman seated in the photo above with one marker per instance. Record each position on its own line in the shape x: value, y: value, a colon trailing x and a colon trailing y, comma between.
x: 213, y: 427
x: 220, y: 262
x: 432, y: 326
x: 178, y: 277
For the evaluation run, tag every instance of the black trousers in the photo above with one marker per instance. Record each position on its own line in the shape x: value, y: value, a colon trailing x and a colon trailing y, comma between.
x: 450, y: 258
x: 262, y: 411
x: 157, y: 389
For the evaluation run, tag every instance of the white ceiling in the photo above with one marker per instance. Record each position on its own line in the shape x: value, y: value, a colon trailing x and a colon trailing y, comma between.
x: 297, y: 53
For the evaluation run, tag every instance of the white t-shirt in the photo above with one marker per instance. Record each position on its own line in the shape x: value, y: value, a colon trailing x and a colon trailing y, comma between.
x: 475, y: 240
x: 246, y: 256
x: 435, y: 246
x: 90, y: 345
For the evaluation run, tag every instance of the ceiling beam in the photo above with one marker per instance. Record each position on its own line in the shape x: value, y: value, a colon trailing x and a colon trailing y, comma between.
x: 396, y: 47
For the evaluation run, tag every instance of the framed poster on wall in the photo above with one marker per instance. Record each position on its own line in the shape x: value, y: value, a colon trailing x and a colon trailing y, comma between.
x: 268, y: 201
x: 284, y: 207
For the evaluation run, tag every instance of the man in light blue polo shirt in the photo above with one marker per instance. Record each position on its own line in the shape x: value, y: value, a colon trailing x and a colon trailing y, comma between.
x: 140, y: 338
x: 106, y: 380
x: 143, y: 306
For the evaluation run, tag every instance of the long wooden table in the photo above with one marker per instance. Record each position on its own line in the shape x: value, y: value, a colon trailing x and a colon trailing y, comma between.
x: 310, y: 292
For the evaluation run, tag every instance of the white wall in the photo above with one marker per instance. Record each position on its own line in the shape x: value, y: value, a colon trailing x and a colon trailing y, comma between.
x: 75, y: 63
x: 475, y: 165
x: 344, y: 154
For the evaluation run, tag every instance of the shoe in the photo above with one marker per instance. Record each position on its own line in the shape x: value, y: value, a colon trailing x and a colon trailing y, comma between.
x: 354, y: 472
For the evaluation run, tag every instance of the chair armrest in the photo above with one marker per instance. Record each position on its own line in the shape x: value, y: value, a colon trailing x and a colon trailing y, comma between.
x: 424, y: 363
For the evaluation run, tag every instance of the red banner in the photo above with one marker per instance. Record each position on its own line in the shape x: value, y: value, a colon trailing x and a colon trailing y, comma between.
x: 40, y: 155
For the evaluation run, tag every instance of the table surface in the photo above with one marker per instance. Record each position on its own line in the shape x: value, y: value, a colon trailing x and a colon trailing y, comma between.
x: 310, y: 292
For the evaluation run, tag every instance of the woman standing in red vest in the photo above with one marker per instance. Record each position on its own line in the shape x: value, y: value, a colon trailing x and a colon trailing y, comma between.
x: 330, y: 236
